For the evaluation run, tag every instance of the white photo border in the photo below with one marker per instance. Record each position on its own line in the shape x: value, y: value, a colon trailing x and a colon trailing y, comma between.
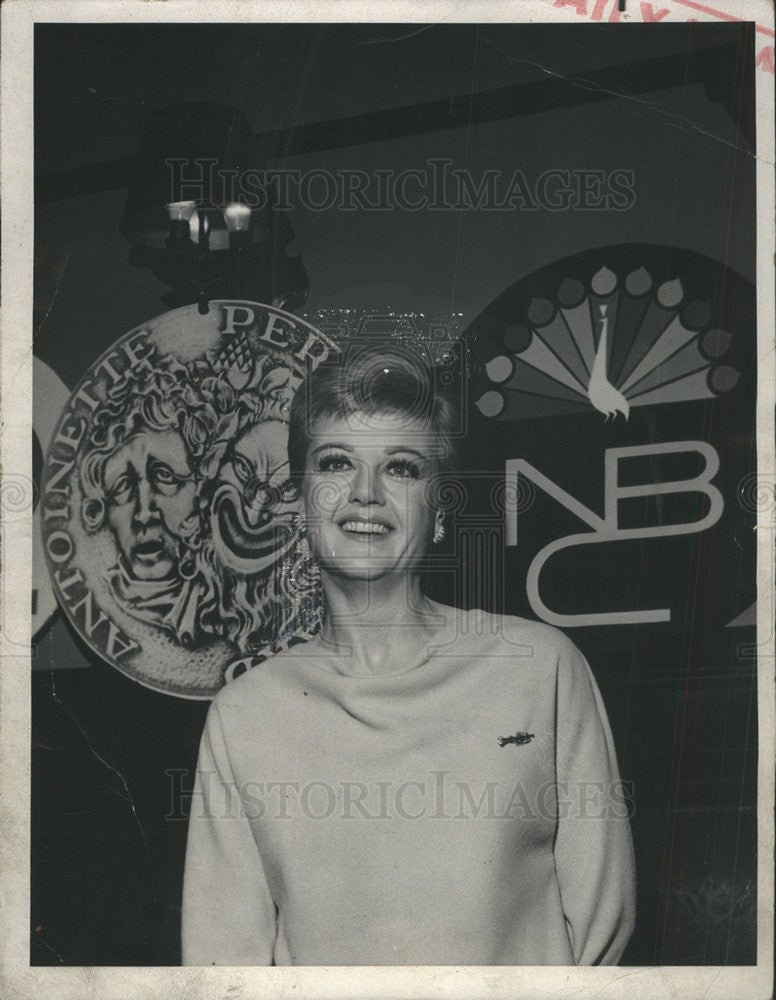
x: 18, y: 978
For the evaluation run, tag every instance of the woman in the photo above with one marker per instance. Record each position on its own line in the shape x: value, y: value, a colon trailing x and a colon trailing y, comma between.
x: 416, y: 784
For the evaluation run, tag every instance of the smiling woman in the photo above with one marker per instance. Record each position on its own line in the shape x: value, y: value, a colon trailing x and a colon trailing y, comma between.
x: 369, y: 440
x: 361, y: 798
x: 362, y: 487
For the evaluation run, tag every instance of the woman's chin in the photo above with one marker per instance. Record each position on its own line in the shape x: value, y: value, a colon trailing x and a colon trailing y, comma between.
x: 360, y: 569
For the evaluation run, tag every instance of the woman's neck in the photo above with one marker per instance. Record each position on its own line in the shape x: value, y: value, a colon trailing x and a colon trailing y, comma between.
x: 379, y: 624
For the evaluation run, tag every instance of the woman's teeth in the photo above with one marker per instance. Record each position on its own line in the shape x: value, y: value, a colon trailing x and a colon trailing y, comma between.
x: 365, y: 527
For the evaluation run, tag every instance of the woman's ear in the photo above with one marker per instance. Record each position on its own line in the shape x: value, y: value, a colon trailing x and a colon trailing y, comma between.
x: 439, y: 527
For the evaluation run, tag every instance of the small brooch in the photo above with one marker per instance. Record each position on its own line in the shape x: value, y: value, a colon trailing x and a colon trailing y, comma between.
x: 518, y: 739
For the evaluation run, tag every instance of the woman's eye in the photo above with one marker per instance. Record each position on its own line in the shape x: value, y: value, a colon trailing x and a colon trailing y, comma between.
x: 403, y: 468
x: 334, y: 463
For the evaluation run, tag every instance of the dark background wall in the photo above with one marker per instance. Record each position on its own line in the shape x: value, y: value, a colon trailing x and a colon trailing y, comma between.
x: 111, y: 760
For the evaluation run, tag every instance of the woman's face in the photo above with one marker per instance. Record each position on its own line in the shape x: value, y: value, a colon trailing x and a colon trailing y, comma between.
x: 365, y: 494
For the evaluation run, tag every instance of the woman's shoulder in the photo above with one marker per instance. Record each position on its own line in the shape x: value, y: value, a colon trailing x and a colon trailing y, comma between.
x: 527, y: 644
x: 522, y: 632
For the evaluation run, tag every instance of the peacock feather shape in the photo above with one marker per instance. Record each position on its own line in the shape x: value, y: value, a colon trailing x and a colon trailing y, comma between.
x: 607, y: 345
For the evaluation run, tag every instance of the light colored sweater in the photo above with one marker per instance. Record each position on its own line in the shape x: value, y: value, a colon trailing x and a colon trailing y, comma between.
x: 347, y: 819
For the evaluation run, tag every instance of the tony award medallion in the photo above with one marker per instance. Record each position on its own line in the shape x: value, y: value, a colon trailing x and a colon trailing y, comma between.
x: 169, y: 520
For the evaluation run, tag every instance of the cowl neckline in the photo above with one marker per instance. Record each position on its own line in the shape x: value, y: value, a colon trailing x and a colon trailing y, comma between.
x: 330, y: 659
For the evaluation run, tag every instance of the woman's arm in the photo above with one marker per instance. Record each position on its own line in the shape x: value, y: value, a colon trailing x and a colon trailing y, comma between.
x: 228, y: 913
x: 593, y: 847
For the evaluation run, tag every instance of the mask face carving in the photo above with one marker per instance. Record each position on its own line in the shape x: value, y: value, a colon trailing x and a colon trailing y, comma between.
x: 150, y: 492
x: 172, y: 532
x: 254, y: 506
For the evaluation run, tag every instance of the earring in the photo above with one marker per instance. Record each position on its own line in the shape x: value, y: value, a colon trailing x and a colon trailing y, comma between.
x: 439, y: 529
x: 289, y: 586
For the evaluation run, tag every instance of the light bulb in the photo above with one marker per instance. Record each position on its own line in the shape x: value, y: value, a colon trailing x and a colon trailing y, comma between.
x: 180, y: 211
x: 237, y: 217
x: 184, y: 221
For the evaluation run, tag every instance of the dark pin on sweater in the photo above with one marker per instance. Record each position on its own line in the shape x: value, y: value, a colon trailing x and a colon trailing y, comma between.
x: 518, y: 739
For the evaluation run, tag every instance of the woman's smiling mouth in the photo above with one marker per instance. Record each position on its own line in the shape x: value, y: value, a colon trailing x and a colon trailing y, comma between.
x: 365, y: 527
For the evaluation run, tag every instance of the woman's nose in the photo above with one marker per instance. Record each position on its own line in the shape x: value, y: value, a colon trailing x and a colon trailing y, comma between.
x: 365, y: 486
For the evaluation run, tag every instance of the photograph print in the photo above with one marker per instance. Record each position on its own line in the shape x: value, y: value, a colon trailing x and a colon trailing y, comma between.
x: 396, y: 495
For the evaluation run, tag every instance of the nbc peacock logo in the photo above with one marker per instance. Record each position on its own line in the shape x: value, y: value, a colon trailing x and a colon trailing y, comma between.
x: 607, y: 344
